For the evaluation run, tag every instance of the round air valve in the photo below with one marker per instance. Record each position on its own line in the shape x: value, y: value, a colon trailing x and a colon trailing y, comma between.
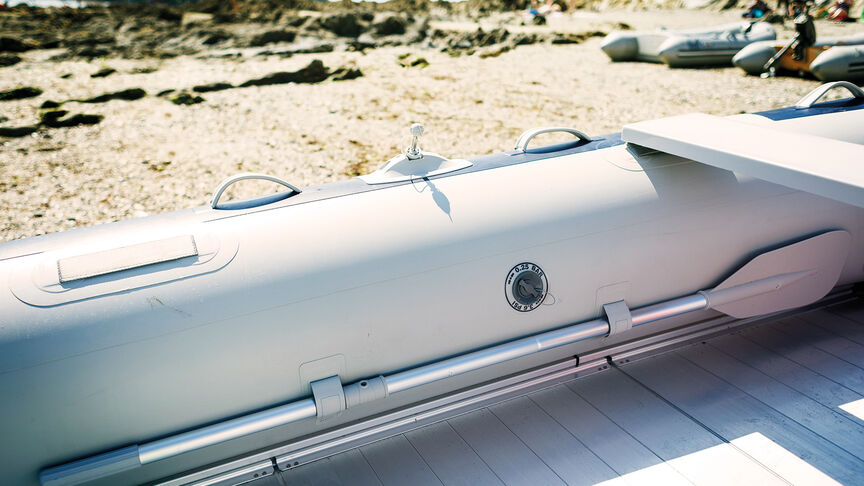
x: 525, y: 287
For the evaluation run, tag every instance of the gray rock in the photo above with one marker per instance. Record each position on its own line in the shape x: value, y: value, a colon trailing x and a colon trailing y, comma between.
x: 11, y: 44
x: 391, y: 25
x: 206, y: 88
x: 13, y: 132
x: 102, y: 73
x: 315, y: 72
x: 272, y: 37
x: 343, y: 24
x: 186, y: 98
x: 55, y: 119
x: 9, y: 60
x: 20, y: 93
x: 131, y: 94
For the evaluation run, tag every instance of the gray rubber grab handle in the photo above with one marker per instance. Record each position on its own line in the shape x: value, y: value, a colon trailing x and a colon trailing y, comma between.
x: 814, y: 96
x: 214, y: 202
x: 527, y: 136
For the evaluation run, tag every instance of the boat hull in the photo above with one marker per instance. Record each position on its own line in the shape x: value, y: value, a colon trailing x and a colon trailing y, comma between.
x: 839, y: 63
x: 712, y: 46
x: 712, y: 49
x: 357, y: 284
x: 831, y: 59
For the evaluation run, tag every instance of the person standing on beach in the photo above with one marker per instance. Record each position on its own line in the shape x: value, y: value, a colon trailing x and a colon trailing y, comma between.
x: 756, y: 9
x: 839, y: 12
x: 805, y: 30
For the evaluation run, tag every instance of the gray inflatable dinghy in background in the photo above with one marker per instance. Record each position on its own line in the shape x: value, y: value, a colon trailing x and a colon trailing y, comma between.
x: 710, y: 46
x: 842, y: 62
x: 715, y: 49
x: 842, y: 58
x: 160, y: 347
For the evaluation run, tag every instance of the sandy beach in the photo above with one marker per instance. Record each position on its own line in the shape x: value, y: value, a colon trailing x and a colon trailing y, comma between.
x: 150, y: 155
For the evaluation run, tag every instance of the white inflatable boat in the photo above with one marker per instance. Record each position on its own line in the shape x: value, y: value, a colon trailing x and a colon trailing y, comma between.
x: 712, y: 46
x: 209, y: 345
x: 829, y: 59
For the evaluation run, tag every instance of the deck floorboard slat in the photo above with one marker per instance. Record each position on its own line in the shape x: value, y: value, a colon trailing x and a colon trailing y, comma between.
x: 818, y: 418
x: 790, y: 373
x: 851, y: 310
x: 836, y: 323
x: 502, y: 450
x: 620, y: 450
x: 787, y: 371
x: 450, y: 457
x: 826, y: 364
x: 734, y: 415
x: 396, y: 462
x: 353, y: 469
x: 831, y: 343
x: 686, y: 445
x: 557, y: 447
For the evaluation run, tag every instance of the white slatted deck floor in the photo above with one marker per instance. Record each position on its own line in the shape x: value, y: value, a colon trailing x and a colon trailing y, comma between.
x: 774, y: 404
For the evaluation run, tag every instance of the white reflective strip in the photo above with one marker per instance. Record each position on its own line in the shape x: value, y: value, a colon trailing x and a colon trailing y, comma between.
x: 133, y: 256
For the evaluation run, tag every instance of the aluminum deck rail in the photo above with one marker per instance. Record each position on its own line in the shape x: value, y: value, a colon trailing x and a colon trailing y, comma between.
x: 780, y: 403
